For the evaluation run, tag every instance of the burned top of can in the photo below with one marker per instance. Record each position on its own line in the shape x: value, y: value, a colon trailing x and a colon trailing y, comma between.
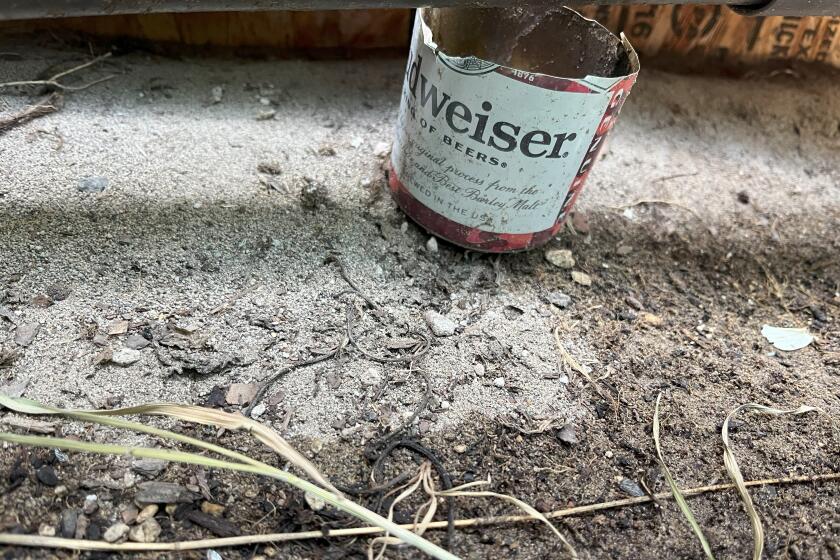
x: 554, y: 41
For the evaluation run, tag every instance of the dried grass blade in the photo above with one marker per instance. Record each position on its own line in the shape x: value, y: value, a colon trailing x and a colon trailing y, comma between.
x: 735, y: 472
x: 675, y: 490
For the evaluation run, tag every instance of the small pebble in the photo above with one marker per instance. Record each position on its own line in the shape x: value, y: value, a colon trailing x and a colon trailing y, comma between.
x: 382, y: 149
x: 258, y: 410
x: 136, y: 342
x: 561, y: 258
x: 432, y: 245
x: 46, y: 475
x: 581, y: 278
x: 630, y: 487
x: 460, y: 448
x: 567, y: 434
x: 46, y: 530
x: 92, y: 184
x: 210, y: 508
x: 146, y: 532
x: 125, y: 357
x: 440, y: 325
x: 559, y: 299
x: 499, y: 382
x: 147, y: 512
x: 216, y: 94
x: 68, y: 523
x: 90, y: 505
x: 115, y: 532
x: 315, y: 503
x: 624, y: 250
x: 634, y: 303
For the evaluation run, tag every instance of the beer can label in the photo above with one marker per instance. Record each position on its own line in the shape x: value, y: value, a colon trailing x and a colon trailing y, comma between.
x: 491, y: 157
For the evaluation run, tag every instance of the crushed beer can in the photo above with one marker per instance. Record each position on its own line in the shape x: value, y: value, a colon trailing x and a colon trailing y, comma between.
x: 502, y: 116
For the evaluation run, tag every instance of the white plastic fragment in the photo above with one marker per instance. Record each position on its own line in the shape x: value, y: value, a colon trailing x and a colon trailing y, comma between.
x: 787, y: 339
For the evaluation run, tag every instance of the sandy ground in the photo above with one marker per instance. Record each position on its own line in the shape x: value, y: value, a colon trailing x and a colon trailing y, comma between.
x: 188, y: 223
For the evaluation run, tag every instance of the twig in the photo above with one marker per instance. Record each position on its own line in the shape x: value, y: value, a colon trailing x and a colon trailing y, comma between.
x: 47, y: 105
x: 53, y: 80
x: 659, y: 201
x: 73, y: 544
x: 675, y: 176
x: 334, y: 259
x: 265, y: 385
x: 424, y: 345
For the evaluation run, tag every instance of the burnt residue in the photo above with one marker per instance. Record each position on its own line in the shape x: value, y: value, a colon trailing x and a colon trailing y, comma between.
x: 557, y: 42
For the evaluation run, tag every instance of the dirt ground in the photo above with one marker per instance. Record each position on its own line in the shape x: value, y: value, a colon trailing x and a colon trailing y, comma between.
x: 157, y: 206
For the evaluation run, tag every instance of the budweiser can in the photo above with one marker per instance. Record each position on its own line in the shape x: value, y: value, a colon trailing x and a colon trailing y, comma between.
x: 503, y: 113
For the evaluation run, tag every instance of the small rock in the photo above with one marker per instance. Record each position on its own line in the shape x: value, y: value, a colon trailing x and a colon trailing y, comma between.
x: 162, y: 493
x: 67, y: 528
x: 460, y: 448
x: 213, y: 555
x: 82, y: 524
x: 580, y: 221
x: 58, y: 292
x: 629, y: 487
x: 627, y: 315
x: 559, y: 299
x: 129, y: 514
x: 241, y: 393
x: 146, y: 513
x: 440, y: 325
x: 92, y: 184
x: 46, y: 530
x: 432, y: 245
x: 316, y: 503
x: 561, y: 258
x: 100, y: 339
x: 499, y: 382
x: 567, y: 434
x: 210, y: 508
x: 25, y: 333
x: 258, y: 410
x: 46, y: 475
x: 149, y: 467
x: 125, y: 356
x: 624, y: 250
x: 146, y: 532
x: 90, y: 505
x: 266, y: 115
x: 313, y: 194
x: 371, y: 377
x: 136, y: 342
x: 42, y: 300
x: 479, y: 369
x: 216, y: 94
x: 382, y: 149
x: 651, y: 319
x: 115, y: 532
x: 581, y: 278
x: 634, y: 303
x: 269, y: 168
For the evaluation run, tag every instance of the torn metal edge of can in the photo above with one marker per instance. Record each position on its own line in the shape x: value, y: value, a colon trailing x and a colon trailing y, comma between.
x: 473, y: 237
